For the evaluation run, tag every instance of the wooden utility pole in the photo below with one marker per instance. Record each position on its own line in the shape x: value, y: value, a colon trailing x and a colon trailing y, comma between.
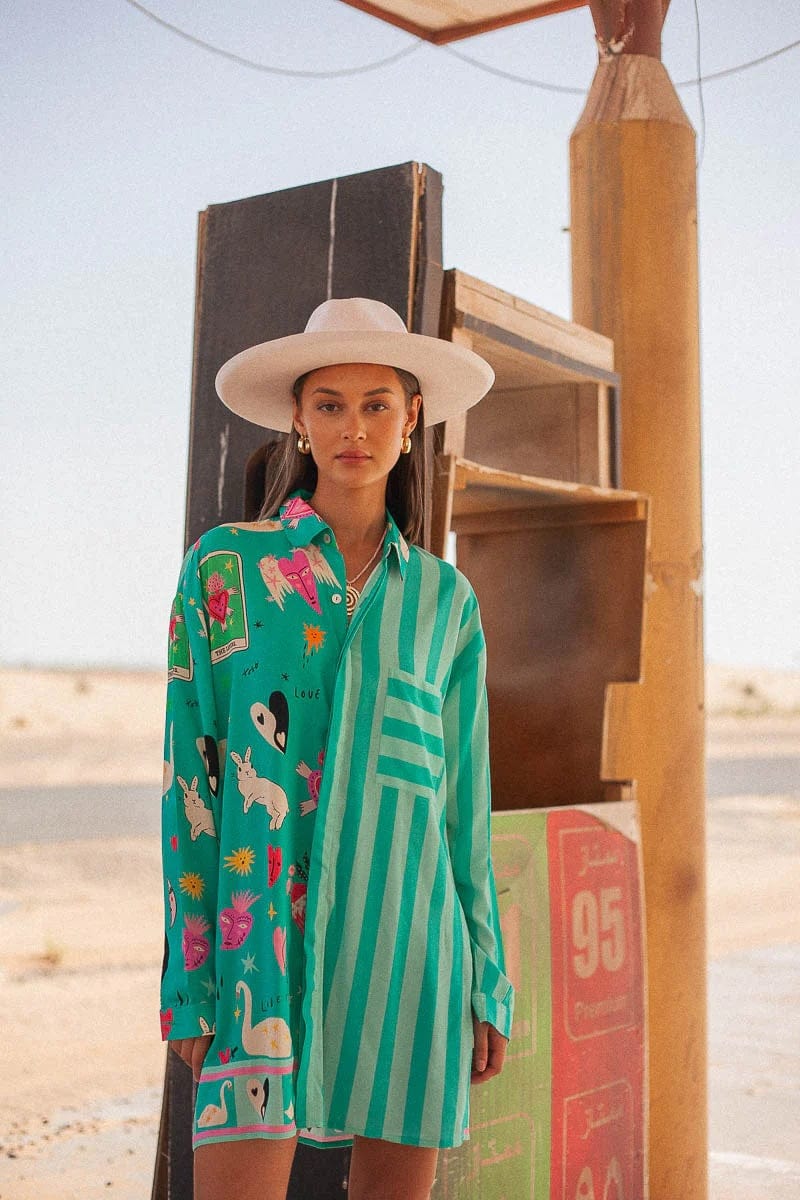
x: 634, y: 275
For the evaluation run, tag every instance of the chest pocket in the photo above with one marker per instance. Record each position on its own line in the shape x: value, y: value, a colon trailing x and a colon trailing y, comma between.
x: 411, y: 750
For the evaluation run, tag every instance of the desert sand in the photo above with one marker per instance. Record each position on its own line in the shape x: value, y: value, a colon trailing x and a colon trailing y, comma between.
x: 80, y: 920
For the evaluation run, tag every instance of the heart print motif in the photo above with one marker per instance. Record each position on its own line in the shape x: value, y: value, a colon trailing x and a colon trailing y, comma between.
x: 298, y: 574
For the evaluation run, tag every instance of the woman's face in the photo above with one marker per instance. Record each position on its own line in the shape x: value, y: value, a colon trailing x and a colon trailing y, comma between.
x: 355, y: 416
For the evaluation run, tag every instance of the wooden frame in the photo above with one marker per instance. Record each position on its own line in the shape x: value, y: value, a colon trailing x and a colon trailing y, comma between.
x: 457, y: 31
x: 554, y: 407
x: 559, y: 571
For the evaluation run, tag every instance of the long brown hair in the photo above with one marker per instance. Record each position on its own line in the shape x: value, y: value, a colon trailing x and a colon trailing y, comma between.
x: 289, y: 470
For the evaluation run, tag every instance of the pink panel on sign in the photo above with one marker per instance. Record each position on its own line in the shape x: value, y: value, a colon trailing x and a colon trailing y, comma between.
x: 600, y: 1138
x: 598, y: 1007
x: 600, y: 965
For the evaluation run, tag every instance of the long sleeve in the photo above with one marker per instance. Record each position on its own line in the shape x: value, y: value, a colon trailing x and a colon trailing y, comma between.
x: 466, y: 738
x: 190, y: 817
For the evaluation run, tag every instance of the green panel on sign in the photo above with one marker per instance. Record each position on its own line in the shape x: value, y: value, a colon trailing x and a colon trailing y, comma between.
x: 508, y: 1154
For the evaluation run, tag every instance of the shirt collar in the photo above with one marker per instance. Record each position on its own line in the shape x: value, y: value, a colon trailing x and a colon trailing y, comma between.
x: 397, y: 544
x: 302, y: 524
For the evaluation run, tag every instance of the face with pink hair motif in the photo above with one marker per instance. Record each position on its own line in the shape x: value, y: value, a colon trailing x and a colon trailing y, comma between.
x: 236, y: 922
x: 196, y: 946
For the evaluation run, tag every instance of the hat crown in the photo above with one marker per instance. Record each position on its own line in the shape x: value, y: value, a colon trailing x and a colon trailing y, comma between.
x: 357, y: 314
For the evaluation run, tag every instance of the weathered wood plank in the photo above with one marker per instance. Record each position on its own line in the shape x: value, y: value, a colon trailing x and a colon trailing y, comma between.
x: 264, y: 263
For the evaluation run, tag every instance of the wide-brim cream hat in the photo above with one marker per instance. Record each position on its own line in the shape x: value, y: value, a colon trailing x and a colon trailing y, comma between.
x: 257, y: 383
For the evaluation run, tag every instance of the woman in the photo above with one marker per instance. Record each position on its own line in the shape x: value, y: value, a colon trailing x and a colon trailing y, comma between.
x: 333, y: 964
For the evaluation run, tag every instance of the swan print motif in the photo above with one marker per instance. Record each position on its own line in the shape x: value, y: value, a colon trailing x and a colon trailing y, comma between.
x: 270, y: 1037
x: 216, y: 1114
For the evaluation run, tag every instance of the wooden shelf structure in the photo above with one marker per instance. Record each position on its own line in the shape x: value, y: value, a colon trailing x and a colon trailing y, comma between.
x: 554, y: 407
x: 555, y: 552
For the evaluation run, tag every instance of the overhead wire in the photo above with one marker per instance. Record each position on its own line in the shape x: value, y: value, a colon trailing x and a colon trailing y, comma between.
x: 267, y: 68
x: 698, y: 80
x: 753, y: 62
x: 501, y: 74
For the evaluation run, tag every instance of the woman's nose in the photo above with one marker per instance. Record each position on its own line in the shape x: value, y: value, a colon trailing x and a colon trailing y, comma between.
x: 354, y: 426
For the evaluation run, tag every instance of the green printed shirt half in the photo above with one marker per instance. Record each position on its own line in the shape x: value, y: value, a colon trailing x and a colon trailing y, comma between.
x: 331, y: 912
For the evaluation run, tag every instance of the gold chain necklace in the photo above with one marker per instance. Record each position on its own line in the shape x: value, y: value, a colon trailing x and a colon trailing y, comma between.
x: 351, y: 591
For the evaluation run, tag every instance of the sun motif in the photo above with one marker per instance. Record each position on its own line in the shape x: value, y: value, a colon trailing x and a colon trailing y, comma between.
x: 314, y: 639
x: 241, y: 861
x: 192, y: 884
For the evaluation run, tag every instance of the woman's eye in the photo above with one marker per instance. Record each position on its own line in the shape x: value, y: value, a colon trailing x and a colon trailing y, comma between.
x: 326, y: 406
x: 379, y: 406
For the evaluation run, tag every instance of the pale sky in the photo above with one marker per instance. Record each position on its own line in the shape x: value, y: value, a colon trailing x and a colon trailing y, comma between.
x: 116, y: 133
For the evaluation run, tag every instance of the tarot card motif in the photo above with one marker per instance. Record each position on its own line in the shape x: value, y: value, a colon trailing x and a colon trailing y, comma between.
x: 223, y: 597
x: 180, y: 656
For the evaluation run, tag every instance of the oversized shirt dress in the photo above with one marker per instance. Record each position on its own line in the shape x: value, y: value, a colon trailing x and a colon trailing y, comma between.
x: 331, y: 911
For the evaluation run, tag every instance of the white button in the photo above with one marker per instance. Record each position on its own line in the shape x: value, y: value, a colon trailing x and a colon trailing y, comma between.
x: 327, y: 538
x: 336, y: 598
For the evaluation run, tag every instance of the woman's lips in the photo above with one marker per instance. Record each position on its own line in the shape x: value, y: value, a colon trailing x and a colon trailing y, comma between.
x: 353, y: 457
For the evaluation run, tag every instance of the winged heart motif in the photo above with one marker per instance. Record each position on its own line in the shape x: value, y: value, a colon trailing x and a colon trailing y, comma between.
x: 299, y: 574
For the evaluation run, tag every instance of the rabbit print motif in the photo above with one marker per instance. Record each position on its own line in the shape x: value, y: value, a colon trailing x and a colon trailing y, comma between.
x: 256, y: 790
x: 199, y: 817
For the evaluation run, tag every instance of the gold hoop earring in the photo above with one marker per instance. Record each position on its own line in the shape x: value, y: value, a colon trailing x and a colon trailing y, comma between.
x: 303, y: 444
x: 405, y: 445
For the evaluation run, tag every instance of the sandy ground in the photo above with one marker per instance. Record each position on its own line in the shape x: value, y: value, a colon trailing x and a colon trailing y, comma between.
x: 80, y: 940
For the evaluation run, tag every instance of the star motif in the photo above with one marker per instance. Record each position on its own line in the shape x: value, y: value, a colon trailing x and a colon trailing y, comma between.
x: 229, y: 565
x: 209, y: 986
x: 284, y: 675
x: 249, y: 964
x: 272, y: 911
x: 259, y: 624
x: 235, y: 532
x: 193, y: 602
x: 237, y: 1012
x: 314, y: 638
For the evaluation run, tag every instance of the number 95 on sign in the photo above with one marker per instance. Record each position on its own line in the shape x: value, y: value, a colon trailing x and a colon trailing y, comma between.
x: 600, y: 960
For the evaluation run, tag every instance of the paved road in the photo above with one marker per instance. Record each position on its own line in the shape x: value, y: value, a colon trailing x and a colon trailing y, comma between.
x: 753, y: 776
x: 64, y: 814
x: 754, y: 1074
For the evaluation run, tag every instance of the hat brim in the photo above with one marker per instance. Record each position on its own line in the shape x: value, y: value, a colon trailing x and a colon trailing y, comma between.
x: 257, y: 383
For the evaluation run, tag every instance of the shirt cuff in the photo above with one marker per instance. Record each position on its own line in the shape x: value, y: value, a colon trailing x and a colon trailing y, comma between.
x: 187, y: 1020
x: 499, y: 1013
